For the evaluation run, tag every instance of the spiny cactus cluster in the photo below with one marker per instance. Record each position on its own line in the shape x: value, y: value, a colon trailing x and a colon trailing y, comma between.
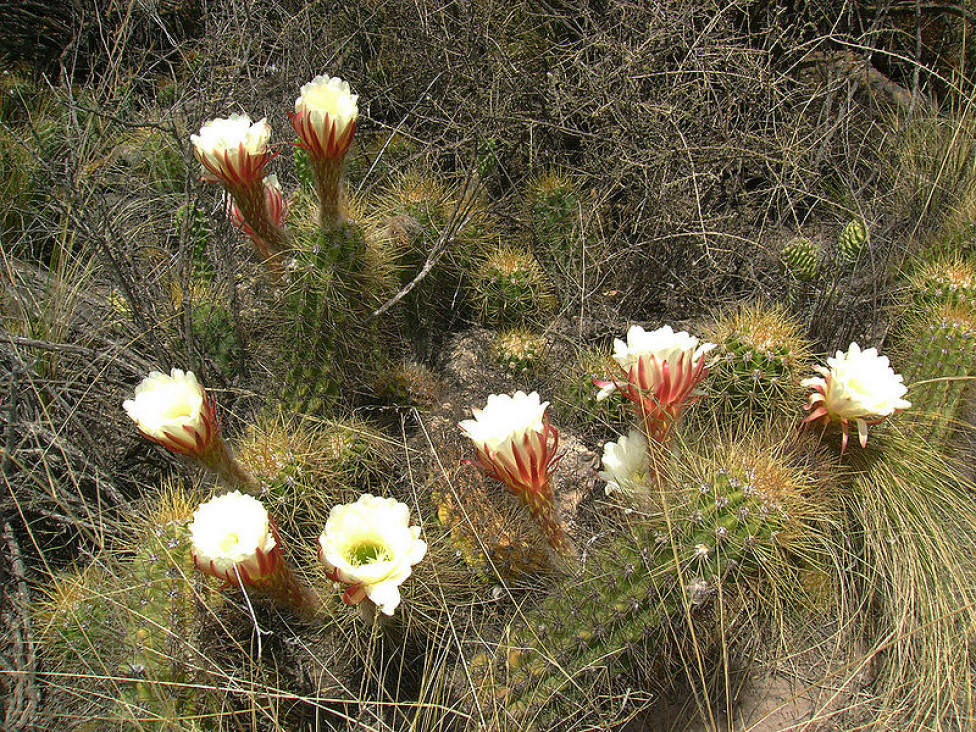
x: 519, y: 350
x: 944, y: 281
x: 851, y: 243
x: 940, y: 349
x: 510, y: 288
x: 730, y: 522
x: 137, y: 625
x: 757, y: 367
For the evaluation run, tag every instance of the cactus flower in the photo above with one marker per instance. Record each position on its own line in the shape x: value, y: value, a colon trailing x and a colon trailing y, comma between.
x: 176, y: 412
x: 858, y: 386
x: 625, y: 464
x: 517, y: 445
x: 660, y: 371
x: 233, y: 538
x: 370, y: 546
x: 325, y: 117
x: 325, y: 121
x: 233, y: 150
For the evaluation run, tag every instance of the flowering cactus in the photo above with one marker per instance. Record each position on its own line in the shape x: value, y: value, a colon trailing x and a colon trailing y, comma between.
x: 661, y: 371
x: 325, y: 121
x: 235, y: 152
x: 176, y: 412
x: 625, y: 464
x: 370, y: 546
x: 517, y: 445
x: 858, y: 386
x: 234, y: 539
x: 277, y: 209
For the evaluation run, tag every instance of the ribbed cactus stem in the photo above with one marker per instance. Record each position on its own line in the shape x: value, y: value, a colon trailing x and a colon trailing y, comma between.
x: 219, y: 459
x: 938, y: 368
x: 284, y: 587
x: 630, y: 589
x: 328, y: 186
x: 850, y: 244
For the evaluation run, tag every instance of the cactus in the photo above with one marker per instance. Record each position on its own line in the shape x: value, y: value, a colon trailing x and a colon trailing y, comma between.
x: 436, y: 233
x: 216, y: 337
x: 410, y: 384
x: 196, y: 223
x: 330, y: 342
x: 938, y: 344
x: 152, y: 602
x: 799, y: 258
x: 737, y: 512
x: 519, y: 351
x: 510, y: 288
x: 851, y: 242
x: 760, y: 358
x: 947, y: 281
x: 557, y: 212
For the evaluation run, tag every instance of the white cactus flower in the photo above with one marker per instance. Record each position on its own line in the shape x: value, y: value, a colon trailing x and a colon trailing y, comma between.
x: 858, y: 386
x: 625, y: 464
x: 500, y: 427
x: 173, y: 410
x: 664, y: 344
x: 233, y: 149
x: 371, y: 546
x: 328, y: 95
x: 232, y: 537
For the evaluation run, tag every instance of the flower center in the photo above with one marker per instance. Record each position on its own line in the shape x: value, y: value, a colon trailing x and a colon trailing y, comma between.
x: 367, y: 552
x: 230, y: 541
x: 178, y: 410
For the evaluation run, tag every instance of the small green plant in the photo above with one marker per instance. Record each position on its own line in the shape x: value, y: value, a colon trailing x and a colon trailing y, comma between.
x: 851, y: 243
x: 519, y: 350
x: 799, y: 258
x: 510, y: 288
